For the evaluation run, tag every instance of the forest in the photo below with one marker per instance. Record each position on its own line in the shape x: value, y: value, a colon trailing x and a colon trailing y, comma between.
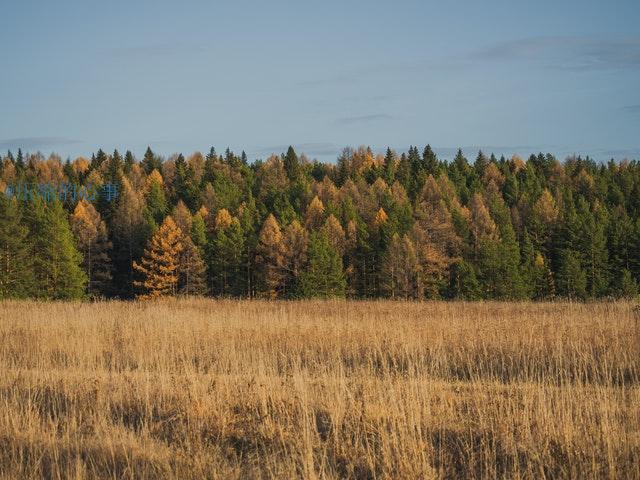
x: 397, y: 225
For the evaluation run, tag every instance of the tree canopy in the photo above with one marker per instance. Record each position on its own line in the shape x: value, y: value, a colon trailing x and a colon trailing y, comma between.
x: 389, y: 224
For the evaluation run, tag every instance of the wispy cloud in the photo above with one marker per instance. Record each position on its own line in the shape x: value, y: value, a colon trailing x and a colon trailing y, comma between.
x: 566, y: 52
x: 577, y: 53
x: 363, y: 119
x: 635, y: 109
x: 34, y: 143
x: 157, y: 50
x: 618, y: 154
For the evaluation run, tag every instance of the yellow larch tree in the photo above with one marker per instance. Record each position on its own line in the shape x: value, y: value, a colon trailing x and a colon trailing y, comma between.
x: 315, y: 214
x: 271, y: 258
x: 335, y: 233
x: 93, y: 242
x: 159, y: 265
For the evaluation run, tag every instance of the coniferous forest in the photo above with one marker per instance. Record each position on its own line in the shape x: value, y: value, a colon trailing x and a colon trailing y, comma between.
x: 401, y: 225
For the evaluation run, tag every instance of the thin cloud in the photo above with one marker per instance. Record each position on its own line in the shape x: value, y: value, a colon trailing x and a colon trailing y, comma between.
x: 363, y: 119
x: 577, y: 53
x: 631, y: 109
x: 618, y: 154
x: 157, y: 50
x: 566, y: 52
x: 34, y: 143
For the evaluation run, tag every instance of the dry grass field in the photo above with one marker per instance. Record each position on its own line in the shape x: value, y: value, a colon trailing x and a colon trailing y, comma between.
x: 319, y: 390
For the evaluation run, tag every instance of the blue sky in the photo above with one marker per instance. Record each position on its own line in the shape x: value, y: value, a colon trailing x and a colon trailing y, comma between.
x: 507, y: 76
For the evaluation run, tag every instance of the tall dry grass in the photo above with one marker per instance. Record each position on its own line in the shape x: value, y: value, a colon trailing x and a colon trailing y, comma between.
x: 230, y: 389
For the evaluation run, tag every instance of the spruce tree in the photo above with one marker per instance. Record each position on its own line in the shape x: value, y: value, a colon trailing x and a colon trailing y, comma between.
x: 571, y: 279
x: 16, y: 260
x: 57, y: 262
x: 20, y: 165
x: 129, y: 162
x: 150, y: 162
x: 593, y: 247
x: 625, y: 286
x: 226, y: 256
x: 324, y: 275
x: 388, y: 167
x: 291, y: 164
x: 463, y: 282
x: 199, y: 230
x: 430, y: 162
x: 499, y: 263
x: 97, y: 160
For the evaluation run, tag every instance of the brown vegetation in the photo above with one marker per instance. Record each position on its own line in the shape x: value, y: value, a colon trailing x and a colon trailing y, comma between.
x: 232, y: 389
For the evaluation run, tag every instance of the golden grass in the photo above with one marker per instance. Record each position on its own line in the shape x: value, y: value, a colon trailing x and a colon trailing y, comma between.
x: 363, y: 390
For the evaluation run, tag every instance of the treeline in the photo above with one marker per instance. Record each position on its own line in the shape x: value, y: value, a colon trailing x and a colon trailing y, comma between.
x: 405, y: 225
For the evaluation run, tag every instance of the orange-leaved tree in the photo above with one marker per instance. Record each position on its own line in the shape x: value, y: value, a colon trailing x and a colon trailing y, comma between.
x: 159, y: 265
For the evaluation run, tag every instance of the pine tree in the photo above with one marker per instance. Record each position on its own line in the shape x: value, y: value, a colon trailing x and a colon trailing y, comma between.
x: 481, y: 163
x: 16, y: 261
x: 593, y: 247
x: 625, y: 285
x: 462, y: 175
x: 291, y: 164
x: 57, y: 262
x: 98, y: 160
x: 199, y: 229
x: 571, y: 279
x: 537, y: 277
x: 324, y: 276
x: 499, y: 260
x: 129, y: 162
x: 93, y: 242
x: 388, y: 167
x: 403, y: 173
x: 160, y: 264
x: 418, y: 173
x: 463, y: 283
x: 249, y: 221
x: 184, y: 184
x: 150, y: 162
x: 226, y: 256
x: 430, y: 162
x: 20, y: 165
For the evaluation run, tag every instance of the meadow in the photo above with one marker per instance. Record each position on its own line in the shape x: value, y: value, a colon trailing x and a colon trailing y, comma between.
x: 228, y: 389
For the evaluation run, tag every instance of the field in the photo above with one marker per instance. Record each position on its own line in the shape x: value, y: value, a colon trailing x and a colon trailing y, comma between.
x: 231, y: 389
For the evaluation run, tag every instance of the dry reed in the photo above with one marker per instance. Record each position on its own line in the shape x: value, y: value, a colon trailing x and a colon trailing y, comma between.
x: 239, y: 389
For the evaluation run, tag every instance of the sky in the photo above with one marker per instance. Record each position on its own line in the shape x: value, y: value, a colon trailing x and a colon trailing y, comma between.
x: 502, y: 76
